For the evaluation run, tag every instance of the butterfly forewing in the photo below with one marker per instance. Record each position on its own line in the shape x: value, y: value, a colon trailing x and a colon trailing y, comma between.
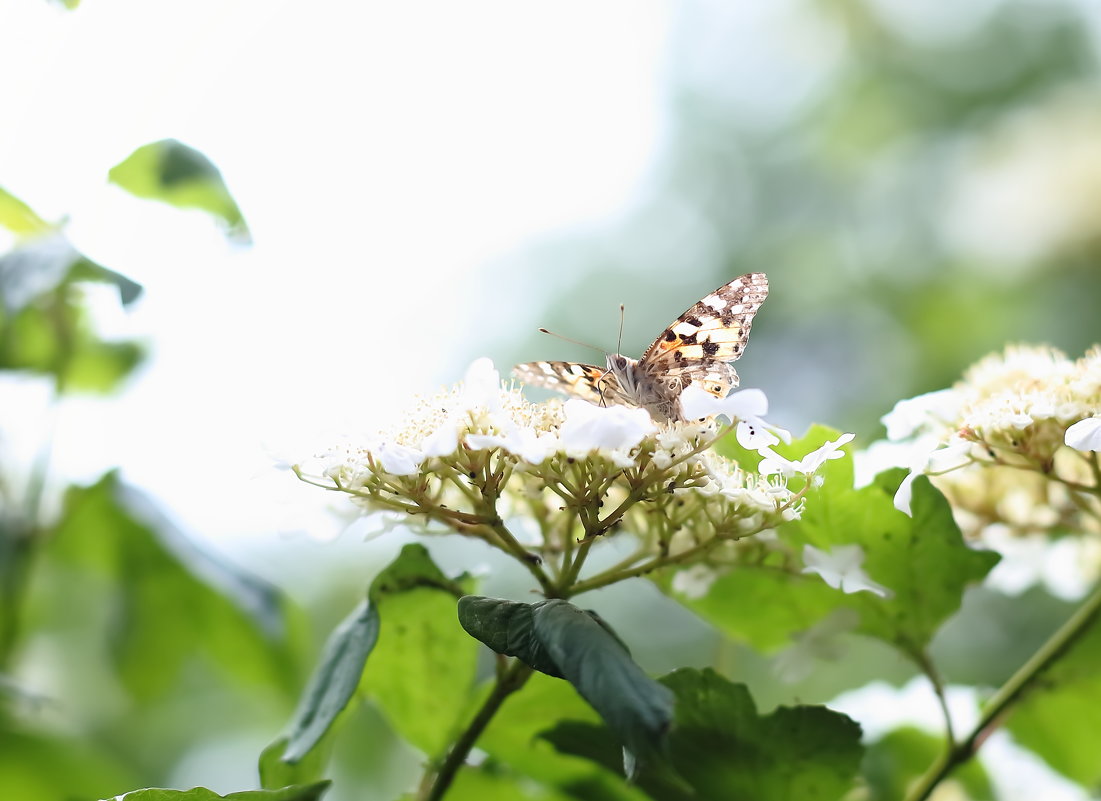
x: 585, y: 381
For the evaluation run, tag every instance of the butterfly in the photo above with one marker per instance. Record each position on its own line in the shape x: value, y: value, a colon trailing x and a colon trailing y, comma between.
x: 697, y: 348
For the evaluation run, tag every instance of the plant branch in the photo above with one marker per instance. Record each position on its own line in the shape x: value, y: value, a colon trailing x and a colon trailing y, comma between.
x: 1010, y: 693
x: 435, y: 785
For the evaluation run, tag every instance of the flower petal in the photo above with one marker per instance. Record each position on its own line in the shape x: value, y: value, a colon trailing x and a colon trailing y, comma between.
x: 1085, y: 435
x: 841, y: 569
x: 695, y: 403
x: 589, y: 427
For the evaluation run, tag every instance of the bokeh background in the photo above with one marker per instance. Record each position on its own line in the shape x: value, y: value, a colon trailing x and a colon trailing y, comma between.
x: 423, y: 183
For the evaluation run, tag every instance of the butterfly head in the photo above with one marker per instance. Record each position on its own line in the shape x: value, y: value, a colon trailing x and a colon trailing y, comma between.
x: 623, y: 368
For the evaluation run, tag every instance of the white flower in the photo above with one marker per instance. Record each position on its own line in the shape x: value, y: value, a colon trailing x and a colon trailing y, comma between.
x: 775, y: 464
x: 840, y: 568
x: 747, y: 406
x: 820, y: 642
x: 695, y: 582
x: 1085, y: 435
x: 913, y: 414
x: 399, y: 460
x: 481, y: 386
x: 952, y: 456
x: 589, y: 427
x: 523, y: 442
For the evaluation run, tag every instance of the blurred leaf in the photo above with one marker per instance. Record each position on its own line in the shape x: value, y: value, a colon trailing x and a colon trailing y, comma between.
x: 578, y: 646
x: 1058, y: 717
x: 893, y: 762
x: 38, y: 768
x: 45, y: 326
x: 181, y: 176
x: 512, y: 738
x: 18, y: 217
x: 422, y: 670
x: 163, y: 615
x: 334, y: 682
x: 275, y: 772
x: 472, y: 784
x: 307, y: 792
x: 723, y: 749
x: 994, y: 634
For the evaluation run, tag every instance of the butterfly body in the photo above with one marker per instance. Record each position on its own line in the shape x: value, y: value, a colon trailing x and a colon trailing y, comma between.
x: 696, y: 348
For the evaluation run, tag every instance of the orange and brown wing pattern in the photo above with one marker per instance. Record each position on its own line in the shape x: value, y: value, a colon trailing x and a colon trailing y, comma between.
x: 699, y: 344
x: 585, y: 381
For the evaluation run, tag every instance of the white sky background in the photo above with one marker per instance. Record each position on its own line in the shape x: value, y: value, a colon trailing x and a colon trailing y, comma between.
x: 382, y: 154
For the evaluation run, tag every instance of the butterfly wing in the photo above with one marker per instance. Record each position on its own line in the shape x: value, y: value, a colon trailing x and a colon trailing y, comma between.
x: 700, y: 344
x: 586, y: 381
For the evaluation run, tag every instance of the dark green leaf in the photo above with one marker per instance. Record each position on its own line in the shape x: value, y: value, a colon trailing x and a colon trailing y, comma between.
x: 895, y: 761
x: 334, y: 682
x: 577, y: 646
x: 306, y: 792
x: 174, y: 173
x: 422, y: 671
x: 507, y: 627
x: 724, y: 749
x: 719, y: 747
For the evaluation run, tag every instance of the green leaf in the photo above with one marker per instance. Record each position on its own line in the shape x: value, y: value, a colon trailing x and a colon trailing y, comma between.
x: 18, y: 217
x: 422, y: 670
x: 163, y: 616
x: 34, y: 767
x: 724, y: 749
x: 922, y: 560
x: 721, y: 748
x: 334, y: 682
x: 766, y: 600
x: 45, y: 326
x: 513, y: 738
x: 181, y: 176
x: 481, y: 785
x: 507, y: 627
x: 763, y: 604
x: 579, y: 647
x: 307, y: 792
x: 1058, y: 717
x: 896, y: 760
x: 276, y: 772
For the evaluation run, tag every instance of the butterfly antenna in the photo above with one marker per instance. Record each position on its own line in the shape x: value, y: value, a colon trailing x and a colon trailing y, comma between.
x: 619, y: 342
x: 574, y: 341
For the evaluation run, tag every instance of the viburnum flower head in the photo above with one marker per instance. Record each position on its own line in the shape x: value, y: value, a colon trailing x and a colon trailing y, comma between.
x: 1024, y: 411
x: 478, y: 458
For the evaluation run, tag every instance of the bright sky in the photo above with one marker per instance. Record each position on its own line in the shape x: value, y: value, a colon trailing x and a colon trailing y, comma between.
x: 382, y: 154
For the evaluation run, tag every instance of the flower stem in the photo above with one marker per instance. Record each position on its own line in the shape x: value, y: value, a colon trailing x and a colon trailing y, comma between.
x: 1010, y: 693
x: 507, y: 683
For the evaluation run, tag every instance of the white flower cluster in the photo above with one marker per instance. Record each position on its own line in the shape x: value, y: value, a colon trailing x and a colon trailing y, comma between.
x: 478, y: 457
x: 1013, y: 444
